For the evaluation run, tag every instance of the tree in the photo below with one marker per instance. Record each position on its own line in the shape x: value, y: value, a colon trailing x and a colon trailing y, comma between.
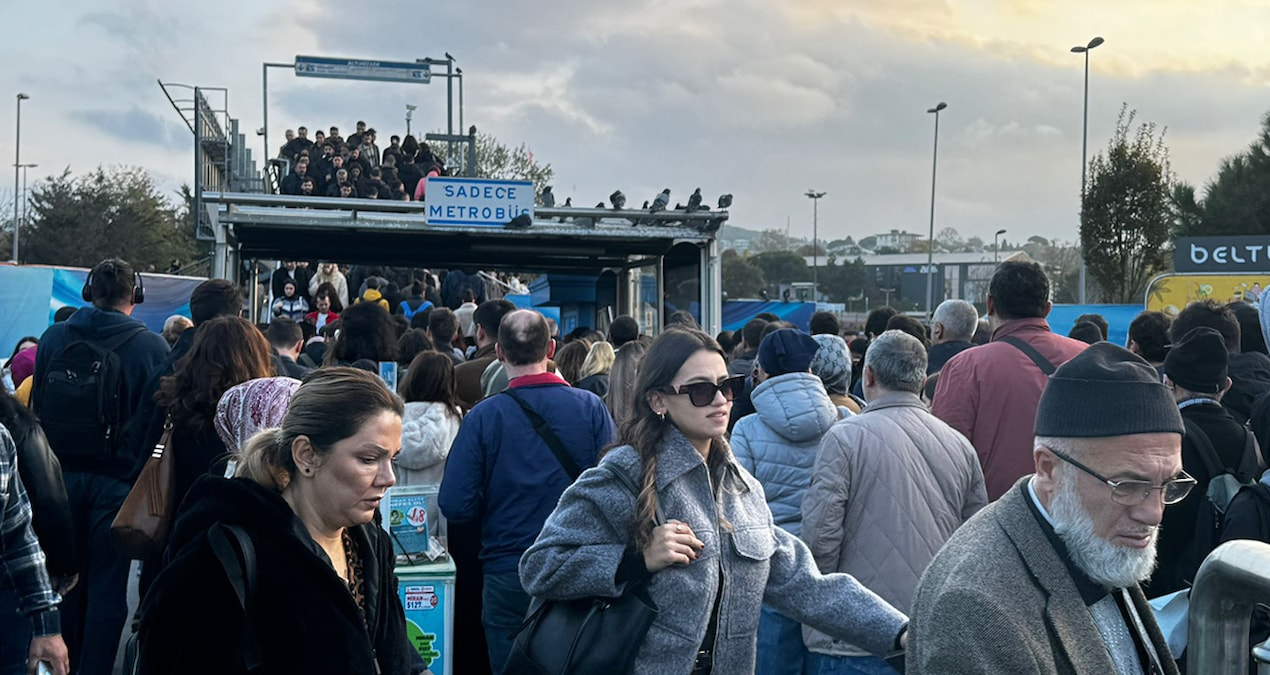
x: 974, y: 245
x: 1237, y: 200
x: 1128, y: 211
x: 949, y: 240
x: 782, y: 267
x: 842, y: 282
x: 774, y: 240
x: 115, y: 212
x: 497, y: 161
x: 741, y: 277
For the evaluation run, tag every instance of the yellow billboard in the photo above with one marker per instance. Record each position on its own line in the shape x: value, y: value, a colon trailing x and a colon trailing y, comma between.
x: 1169, y: 293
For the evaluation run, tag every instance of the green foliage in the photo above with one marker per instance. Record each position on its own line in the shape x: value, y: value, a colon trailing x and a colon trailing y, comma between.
x: 1236, y: 201
x: 110, y: 212
x: 497, y: 161
x: 782, y: 267
x: 842, y: 282
x: 741, y: 277
x: 1128, y: 211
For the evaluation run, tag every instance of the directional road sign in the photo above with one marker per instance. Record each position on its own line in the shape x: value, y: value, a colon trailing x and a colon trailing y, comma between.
x: 361, y: 69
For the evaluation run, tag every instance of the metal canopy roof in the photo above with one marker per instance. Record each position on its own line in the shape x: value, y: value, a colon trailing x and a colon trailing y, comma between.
x: 365, y: 231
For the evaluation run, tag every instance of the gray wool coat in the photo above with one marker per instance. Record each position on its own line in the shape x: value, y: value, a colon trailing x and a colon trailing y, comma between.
x: 998, y: 599
x: 578, y: 552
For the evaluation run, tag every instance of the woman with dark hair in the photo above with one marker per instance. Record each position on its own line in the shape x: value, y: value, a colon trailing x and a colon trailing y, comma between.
x: 23, y: 344
x: 431, y: 420
x: 323, y: 596
x: 366, y: 332
x: 622, y: 380
x: 716, y: 557
x: 227, y: 351
x: 569, y: 359
x: 291, y: 305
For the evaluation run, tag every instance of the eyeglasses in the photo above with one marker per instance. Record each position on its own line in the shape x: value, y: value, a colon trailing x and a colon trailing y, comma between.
x: 701, y: 394
x: 1135, y: 492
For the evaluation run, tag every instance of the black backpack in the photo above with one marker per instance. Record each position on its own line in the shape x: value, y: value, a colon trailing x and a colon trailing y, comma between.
x: 80, y: 397
x: 1222, y: 488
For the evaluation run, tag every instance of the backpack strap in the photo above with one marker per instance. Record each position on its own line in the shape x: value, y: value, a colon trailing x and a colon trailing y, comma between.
x: 548, y: 436
x: 630, y: 485
x: 1030, y: 351
x: 1204, y: 445
x: 237, y: 557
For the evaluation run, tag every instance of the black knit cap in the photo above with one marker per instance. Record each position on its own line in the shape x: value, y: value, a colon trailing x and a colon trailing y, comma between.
x: 1106, y: 391
x: 1198, y: 362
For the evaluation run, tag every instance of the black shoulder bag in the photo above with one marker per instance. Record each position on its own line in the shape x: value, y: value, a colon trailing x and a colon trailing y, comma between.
x: 586, y: 636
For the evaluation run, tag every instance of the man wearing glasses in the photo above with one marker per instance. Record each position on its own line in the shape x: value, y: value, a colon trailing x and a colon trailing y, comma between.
x: 1046, y: 579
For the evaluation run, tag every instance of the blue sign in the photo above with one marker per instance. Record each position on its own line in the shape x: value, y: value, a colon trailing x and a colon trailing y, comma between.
x: 473, y: 201
x: 362, y: 69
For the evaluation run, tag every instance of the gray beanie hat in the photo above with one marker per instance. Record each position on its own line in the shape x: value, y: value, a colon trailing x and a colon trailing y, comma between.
x: 1106, y: 390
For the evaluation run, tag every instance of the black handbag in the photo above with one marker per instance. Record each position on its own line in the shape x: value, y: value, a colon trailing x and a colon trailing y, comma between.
x: 587, y: 636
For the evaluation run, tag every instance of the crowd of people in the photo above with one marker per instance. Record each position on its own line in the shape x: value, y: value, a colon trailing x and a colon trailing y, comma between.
x: 329, y: 165
x: 979, y: 496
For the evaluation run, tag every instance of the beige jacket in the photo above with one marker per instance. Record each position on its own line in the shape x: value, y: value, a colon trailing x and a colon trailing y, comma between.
x: 889, y: 487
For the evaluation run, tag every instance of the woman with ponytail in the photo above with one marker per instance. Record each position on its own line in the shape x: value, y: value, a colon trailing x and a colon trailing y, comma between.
x: 321, y: 596
x: 717, y: 557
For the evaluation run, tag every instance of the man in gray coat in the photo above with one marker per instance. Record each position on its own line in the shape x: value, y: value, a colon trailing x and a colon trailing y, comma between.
x: 889, y: 487
x: 1046, y: 579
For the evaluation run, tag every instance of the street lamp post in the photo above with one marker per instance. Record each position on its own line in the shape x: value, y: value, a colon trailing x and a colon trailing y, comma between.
x: 930, y: 247
x: 26, y: 201
x: 17, y: 164
x: 1084, y: 154
x: 410, y: 111
x: 996, y: 247
x: 815, y: 235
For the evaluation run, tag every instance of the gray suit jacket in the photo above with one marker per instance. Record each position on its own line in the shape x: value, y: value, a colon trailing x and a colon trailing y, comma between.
x: 998, y: 598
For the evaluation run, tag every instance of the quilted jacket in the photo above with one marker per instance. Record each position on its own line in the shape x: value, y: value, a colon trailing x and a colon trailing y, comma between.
x: 889, y: 487
x: 778, y: 444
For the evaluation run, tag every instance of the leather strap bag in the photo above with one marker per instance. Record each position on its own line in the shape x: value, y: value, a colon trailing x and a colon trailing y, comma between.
x: 587, y: 636
x: 140, y: 529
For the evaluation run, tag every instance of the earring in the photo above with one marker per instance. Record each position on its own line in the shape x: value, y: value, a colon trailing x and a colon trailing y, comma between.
x: 661, y: 416
x: 308, y: 471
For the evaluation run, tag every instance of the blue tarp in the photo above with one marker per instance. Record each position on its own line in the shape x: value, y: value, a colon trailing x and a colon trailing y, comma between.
x: 737, y: 312
x: 1063, y: 317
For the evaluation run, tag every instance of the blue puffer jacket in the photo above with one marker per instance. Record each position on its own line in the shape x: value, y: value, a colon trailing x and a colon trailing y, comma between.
x: 778, y: 444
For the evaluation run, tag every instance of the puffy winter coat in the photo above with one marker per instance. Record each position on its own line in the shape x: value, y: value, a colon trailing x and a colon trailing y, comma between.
x: 427, y: 430
x: 889, y: 487
x: 778, y: 444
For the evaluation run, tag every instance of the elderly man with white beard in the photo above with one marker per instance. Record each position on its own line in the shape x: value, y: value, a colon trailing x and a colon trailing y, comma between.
x: 1046, y: 579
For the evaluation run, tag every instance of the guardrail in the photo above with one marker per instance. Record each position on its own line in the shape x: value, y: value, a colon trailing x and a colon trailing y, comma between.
x: 1233, y: 579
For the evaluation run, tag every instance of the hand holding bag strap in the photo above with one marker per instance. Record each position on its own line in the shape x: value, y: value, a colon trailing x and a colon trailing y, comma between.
x: 548, y: 436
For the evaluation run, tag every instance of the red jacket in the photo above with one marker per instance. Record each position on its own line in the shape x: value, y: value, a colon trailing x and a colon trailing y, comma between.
x: 990, y: 394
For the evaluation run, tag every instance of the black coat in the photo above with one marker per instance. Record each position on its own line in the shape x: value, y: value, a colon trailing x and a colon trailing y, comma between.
x: 1250, y: 378
x: 42, y: 475
x: 305, y: 619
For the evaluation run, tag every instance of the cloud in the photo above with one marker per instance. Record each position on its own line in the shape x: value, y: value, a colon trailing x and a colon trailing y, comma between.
x: 135, y: 125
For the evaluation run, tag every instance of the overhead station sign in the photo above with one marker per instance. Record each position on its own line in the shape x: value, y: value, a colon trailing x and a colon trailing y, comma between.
x: 474, y: 201
x: 362, y: 69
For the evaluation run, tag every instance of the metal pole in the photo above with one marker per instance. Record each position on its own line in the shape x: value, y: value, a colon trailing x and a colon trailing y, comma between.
x: 264, y: 97
x: 17, y: 162
x: 1230, y: 582
x: 449, y: 105
x: 930, y: 246
x: 815, y: 253
x: 1084, y: 162
x: 460, y: 73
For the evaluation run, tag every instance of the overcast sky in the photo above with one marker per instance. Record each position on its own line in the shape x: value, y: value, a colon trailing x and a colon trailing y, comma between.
x: 761, y: 98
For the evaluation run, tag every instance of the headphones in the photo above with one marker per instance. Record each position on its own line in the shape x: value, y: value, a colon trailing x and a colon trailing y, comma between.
x: 138, y: 289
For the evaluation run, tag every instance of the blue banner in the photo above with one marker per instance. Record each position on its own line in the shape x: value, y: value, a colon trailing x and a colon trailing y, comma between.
x: 737, y: 312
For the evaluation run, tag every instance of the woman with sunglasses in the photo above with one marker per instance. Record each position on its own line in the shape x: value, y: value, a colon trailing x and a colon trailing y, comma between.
x: 717, y: 557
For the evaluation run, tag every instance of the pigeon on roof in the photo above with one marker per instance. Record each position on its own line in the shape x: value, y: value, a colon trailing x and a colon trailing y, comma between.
x: 694, y: 202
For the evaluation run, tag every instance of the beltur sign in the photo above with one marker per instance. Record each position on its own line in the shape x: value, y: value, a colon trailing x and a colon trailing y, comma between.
x: 1222, y: 254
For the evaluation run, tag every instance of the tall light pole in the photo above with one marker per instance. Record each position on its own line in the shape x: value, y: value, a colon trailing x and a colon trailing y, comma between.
x: 930, y: 247
x: 410, y: 113
x: 1084, y: 155
x: 996, y: 247
x: 815, y: 235
x: 17, y: 164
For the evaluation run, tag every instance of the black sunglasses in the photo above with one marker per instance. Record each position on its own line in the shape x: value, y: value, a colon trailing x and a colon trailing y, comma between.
x: 702, y: 394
